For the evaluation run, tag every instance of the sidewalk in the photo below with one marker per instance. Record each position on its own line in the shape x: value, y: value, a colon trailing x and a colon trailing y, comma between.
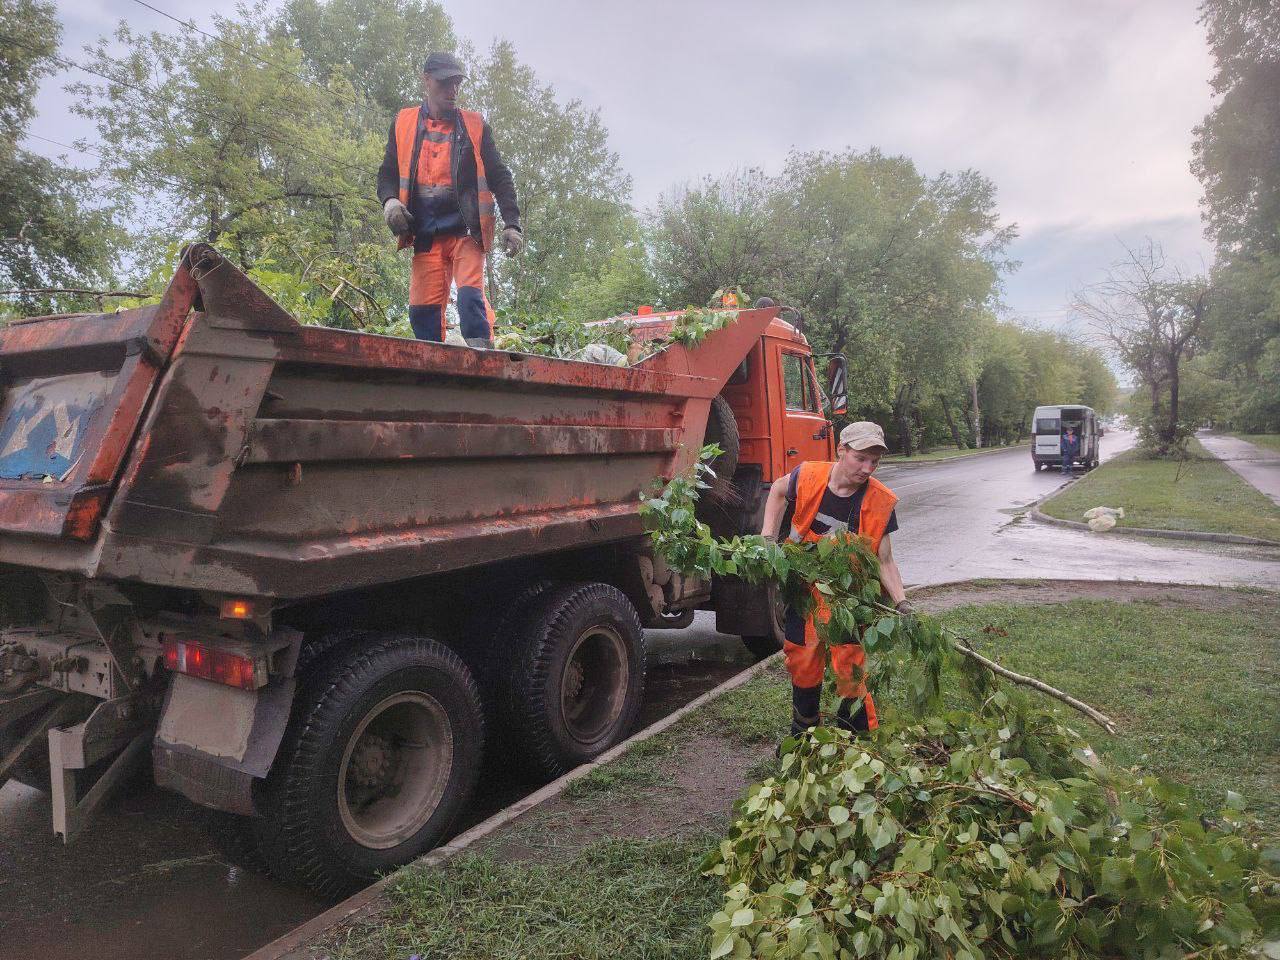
x: 1256, y: 466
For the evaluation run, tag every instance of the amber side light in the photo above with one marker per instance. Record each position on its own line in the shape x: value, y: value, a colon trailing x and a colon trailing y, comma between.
x: 236, y: 609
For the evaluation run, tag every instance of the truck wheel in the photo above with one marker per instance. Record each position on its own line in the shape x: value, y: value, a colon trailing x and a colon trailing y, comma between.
x: 722, y: 429
x: 576, y: 683
x: 382, y: 752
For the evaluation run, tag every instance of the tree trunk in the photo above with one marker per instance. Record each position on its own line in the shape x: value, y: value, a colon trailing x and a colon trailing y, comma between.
x: 902, y: 417
x: 975, y: 415
x: 951, y: 422
x: 1171, y: 429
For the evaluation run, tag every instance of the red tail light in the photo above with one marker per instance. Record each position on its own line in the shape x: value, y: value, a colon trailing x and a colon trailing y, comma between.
x: 209, y: 663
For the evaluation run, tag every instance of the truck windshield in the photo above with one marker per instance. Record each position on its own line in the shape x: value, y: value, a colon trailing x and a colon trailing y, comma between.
x: 1048, y: 425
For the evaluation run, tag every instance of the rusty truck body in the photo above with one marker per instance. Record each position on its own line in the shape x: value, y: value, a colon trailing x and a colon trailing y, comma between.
x: 308, y: 572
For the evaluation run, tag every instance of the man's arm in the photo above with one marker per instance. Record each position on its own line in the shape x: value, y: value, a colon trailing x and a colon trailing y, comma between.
x: 389, y: 172
x: 775, y: 506
x: 890, y: 576
x: 501, y: 183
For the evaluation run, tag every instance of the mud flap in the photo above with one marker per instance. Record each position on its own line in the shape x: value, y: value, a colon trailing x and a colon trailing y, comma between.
x: 214, y: 741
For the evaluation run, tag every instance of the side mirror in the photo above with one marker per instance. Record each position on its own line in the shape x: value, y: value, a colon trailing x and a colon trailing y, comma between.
x: 838, y: 381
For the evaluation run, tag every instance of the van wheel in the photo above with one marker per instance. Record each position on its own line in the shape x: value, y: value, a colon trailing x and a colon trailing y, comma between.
x: 381, y: 754
x: 577, y: 677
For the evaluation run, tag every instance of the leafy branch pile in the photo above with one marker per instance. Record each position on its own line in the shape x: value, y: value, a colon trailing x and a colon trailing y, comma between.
x: 570, y: 340
x: 959, y: 834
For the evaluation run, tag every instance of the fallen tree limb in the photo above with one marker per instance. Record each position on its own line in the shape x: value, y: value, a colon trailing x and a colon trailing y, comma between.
x: 1097, y: 716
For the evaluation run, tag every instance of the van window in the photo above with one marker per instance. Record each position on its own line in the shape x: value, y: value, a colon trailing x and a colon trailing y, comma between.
x: 1048, y: 425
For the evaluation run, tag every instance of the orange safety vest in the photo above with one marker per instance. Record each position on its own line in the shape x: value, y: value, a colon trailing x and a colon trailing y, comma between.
x: 407, y: 136
x: 873, y: 517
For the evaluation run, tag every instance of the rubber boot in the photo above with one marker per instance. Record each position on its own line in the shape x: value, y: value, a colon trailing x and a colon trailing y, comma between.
x: 805, y: 712
x: 846, y: 719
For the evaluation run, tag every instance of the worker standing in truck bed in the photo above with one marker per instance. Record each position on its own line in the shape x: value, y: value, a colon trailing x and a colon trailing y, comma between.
x: 439, y: 180
x: 831, y: 500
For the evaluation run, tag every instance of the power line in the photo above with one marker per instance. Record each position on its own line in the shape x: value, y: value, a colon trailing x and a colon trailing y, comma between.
x: 98, y: 153
x: 209, y: 114
x: 248, y: 53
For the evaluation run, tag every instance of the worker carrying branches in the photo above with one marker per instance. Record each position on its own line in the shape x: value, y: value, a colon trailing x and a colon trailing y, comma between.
x: 438, y: 184
x: 819, y: 500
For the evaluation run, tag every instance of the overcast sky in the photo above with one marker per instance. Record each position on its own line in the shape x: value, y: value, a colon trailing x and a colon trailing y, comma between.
x: 1080, y: 111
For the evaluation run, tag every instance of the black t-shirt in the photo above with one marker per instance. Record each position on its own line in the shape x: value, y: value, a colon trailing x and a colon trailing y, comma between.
x: 834, y: 513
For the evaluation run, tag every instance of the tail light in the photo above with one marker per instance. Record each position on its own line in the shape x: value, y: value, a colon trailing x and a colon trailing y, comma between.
x: 210, y: 663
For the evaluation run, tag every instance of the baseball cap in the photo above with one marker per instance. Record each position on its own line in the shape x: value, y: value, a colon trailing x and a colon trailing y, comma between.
x: 863, y: 435
x: 443, y: 66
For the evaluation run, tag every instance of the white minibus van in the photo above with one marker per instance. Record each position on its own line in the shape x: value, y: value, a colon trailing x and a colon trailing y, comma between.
x: 1047, y: 424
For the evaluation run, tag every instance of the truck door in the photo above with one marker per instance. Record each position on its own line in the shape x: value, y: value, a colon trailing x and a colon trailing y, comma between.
x: 805, y: 431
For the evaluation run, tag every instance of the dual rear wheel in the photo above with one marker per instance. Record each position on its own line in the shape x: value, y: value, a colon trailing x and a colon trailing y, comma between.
x: 386, y: 741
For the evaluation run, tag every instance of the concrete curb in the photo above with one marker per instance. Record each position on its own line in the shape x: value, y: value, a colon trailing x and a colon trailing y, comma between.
x: 1192, y: 535
x: 283, y: 947
x: 958, y: 456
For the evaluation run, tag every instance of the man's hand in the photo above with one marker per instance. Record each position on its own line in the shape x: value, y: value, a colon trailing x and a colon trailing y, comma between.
x: 398, y: 218
x: 904, y: 607
x: 512, y: 241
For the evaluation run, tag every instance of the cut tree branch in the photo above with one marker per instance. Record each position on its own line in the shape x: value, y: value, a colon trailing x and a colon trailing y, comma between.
x: 1093, y: 714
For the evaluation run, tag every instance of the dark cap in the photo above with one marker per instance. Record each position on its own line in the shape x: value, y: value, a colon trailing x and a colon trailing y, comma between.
x: 443, y: 66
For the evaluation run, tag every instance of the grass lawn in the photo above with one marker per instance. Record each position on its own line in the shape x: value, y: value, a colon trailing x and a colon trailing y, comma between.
x: 945, y: 452
x: 1194, y: 692
x: 1268, y: 441
x: 1200, y: 493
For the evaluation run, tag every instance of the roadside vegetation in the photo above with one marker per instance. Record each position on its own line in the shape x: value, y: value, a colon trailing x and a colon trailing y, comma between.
x: 1268, y: 441
x: 607, y: 893
x: 1198, y: 492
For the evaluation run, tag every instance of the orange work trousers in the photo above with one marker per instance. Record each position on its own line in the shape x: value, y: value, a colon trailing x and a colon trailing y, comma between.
x: 451, y: 259
x: 806, y: 659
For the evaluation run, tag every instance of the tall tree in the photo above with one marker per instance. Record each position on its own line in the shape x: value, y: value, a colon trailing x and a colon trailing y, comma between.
x: 1237, y: 157
x: 894, y: 269
x: 1152, y: 315
x: 52, y: 236
x: 219, y: 137
x: 715, y: 233
x: 379, y: 47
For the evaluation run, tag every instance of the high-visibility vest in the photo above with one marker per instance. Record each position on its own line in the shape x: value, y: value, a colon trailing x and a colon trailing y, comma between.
x: 407, y: 139
x: 877, y: 505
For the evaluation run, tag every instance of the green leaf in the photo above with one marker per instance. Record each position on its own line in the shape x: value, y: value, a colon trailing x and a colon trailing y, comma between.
x: 838, y: 815
x: 743, y: 918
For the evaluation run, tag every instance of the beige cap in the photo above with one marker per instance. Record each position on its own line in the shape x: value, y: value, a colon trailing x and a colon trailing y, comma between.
x: 863, y: 435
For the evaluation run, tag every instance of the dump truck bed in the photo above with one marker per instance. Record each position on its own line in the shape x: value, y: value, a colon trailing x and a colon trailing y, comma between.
x: 211, y: 442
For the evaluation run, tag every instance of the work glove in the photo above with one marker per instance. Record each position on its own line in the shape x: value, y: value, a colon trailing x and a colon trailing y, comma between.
x: 398, y: 217
x: 907, y: 614
x: 512, y: 241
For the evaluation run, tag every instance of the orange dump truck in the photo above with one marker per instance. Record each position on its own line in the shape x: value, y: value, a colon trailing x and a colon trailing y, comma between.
x: 308, y: 573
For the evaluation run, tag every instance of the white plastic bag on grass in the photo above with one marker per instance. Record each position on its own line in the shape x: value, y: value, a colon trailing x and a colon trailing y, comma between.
x: 1102, y: 523
x: 1116, y: 512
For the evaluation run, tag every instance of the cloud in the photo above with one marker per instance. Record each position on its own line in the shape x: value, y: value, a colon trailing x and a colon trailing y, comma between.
x: 1081, y: 113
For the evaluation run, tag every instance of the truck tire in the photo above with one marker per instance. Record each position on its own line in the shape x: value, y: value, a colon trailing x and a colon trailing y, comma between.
x: 577, y: 676
x: 382, y: 751
x: 722, y: 429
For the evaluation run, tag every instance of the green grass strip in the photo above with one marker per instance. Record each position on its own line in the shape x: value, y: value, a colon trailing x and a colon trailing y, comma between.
x: 640, y: 899
x: 1268, y: 441
x: 1200, y: 493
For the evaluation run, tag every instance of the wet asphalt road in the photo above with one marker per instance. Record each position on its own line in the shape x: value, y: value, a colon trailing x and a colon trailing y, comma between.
x: 958, y: 520
x: 145, y: 881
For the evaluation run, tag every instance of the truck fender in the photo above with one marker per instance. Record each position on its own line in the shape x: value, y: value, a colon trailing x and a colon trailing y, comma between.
x: 213, y: 741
